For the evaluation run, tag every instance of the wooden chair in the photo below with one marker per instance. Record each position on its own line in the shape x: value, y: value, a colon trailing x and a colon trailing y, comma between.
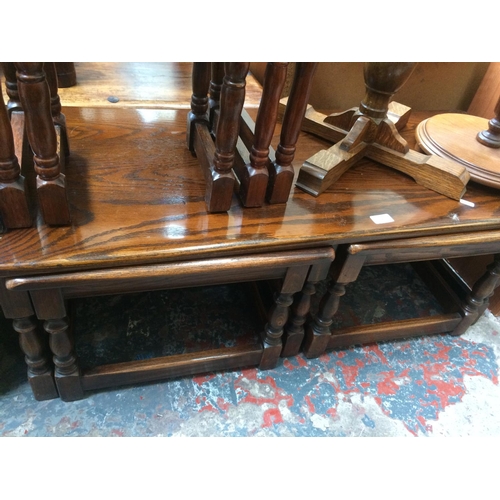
x: 235, y: 152
x: 34, y: 106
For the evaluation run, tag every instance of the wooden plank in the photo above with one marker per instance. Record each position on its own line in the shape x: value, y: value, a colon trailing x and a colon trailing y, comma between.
x: 426, y: 248
x: 394, y: 330
x: 171, y: 366
x: 180, y: 273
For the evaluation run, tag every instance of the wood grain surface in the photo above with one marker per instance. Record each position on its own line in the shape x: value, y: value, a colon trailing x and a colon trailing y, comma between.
x: 453, y: 135
x: 163, y: 85
x: 136, y: 197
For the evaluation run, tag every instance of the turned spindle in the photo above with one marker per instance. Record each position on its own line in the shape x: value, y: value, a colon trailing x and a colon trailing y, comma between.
x: 255, y: 176
x: 67, y: 373
x: 382, y: 81
x: 281, y: 171
x: 370, y: 123
x: 216, y: 80
x: 199, y: 100
x: 14, y: 205
x: 491, y: 137
x: 220, y: 185
x: 345, y: 269
x: 34, y: 346
x: 56, y: 108
x: 35, y: 99
x: 294, y: 332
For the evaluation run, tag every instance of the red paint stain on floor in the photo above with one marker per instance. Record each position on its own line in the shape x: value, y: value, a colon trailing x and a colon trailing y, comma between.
x: 259, y: 400
x: 444, y: 390
x: 379, y: 402
x: 204, y: 378
x: 387, y: 386
x: 249, y: 373
x: 442, y: 354
x: 208, y: 407
x: 310, y: 404
x: 272, y: 416
x: 424, y: 423
x: 325, y: 358
x: 222, y: 404
x: 376, y: 349
x: 301, y: 361
x: 332, y: 412
x: 350, y: 372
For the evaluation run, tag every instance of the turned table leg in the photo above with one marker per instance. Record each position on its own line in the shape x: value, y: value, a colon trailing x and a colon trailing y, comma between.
x: 217, y: 159
x: 477, y: 300
x: 281, y: 172
x: 199, y: 100
x: 294, y: 331
x: 345, y: 270
x: 278, y: 316
x: 35, y: 99
x: 49, y: 306
x: 14, y: 206
x: 221, y: 181
x: 255, y: 176
x: 33, y: 342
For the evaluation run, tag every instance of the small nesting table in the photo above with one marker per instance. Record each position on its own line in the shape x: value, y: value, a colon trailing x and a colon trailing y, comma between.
x: 139, y: 222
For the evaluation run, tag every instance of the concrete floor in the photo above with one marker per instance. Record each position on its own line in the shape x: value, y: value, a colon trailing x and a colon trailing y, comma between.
x: 429, y: 386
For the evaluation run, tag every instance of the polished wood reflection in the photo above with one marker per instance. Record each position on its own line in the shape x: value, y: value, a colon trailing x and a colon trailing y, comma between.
x: 140, y: 222
x: 143, y: 208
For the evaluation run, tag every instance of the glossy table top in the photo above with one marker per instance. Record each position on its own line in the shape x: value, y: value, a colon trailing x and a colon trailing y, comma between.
x: 137, y: 197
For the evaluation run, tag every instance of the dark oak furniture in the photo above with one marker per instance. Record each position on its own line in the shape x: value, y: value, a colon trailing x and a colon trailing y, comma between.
x: 34, y: 108
x: 140, y: 223
x: 234, y: 151
x: 483, y: 104
x: 371, y: 131
x: 462, y: 305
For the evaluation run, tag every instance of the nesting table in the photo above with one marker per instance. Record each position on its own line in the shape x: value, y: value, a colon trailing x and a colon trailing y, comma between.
x: 139, y: 223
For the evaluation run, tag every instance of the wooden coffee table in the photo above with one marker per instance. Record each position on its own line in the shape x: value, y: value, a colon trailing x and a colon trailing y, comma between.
x: 139, y: 223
